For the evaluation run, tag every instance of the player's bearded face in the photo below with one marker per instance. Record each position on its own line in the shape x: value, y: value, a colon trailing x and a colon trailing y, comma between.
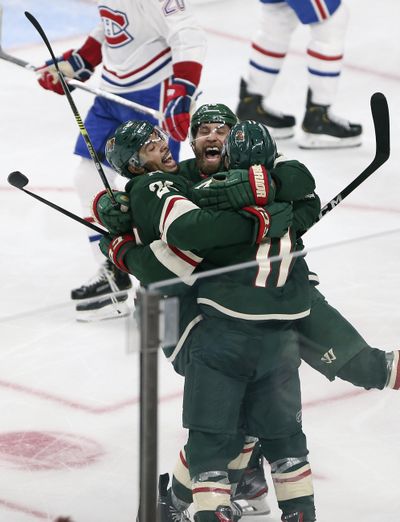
x: 155, y: 154
x: 207, y: 146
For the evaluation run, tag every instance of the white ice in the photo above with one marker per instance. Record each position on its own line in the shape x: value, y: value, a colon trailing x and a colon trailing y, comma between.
x: 76, y: 383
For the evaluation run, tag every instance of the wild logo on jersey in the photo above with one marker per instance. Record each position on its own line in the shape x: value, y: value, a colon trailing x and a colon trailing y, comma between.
x: 115, y: 27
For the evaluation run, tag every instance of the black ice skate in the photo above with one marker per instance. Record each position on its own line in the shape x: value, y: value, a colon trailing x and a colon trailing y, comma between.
x: 231, y: 513
x: 322, y: 130
x: 297, y: 516
x: 250, y: 108
x: 96, y: 302
x: 252, y: 490
x: 167, y: 512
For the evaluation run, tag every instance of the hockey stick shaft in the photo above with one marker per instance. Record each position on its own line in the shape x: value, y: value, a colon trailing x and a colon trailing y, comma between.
x: 18, y: 180
x: 380, y: 116
x: 80, y: 85
x: 75, y: 111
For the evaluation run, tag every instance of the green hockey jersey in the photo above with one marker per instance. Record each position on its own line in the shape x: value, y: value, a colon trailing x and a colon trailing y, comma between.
x: 195, y: 240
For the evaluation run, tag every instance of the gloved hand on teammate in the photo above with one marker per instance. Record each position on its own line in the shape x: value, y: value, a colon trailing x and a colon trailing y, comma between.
x: 117, y: 219
x: 75, y: 64
x: 236, y: 189
x: 281, y: 217
x: 272, y: 221
x: 115, y: 248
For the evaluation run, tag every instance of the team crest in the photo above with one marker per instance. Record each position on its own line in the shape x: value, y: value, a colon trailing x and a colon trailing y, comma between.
x: 115, y: 27
x: 110, y: 145
x: 239, y: 136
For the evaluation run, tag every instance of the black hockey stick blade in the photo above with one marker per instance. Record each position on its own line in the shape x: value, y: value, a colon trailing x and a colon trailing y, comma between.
x: 19, y: 180
x: 380, y: 116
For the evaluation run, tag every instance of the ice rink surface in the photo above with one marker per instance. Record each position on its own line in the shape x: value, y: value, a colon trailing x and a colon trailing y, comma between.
x: 69, y: 391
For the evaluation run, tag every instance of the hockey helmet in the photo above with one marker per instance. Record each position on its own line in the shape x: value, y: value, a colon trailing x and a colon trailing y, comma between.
x: 122, y: 149
x: 249, y: 143
x: 211, y: 113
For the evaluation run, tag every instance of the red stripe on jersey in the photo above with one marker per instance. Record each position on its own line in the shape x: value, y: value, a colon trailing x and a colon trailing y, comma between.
x: 123, y: 76
x: 183, y: 256
x: 171, y: 203
x: 324, y: 56
x: 183, y: 460
x: 219, y: 491
x: 248, y: 450
x: 267, y: 53
x: 321, y: 9
x: 293, y: 479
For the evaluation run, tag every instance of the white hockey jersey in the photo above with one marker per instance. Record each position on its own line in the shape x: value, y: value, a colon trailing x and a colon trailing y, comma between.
x: 141, y: 39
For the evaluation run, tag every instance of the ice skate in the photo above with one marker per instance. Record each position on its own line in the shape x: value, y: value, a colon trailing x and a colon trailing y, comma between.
x: 109, y: 280
x: 297, y: 516
x: 167, y: 511
x: 322, y: 130
x: 232, y: 513
x: 251, y: 492
x: 250, y: 107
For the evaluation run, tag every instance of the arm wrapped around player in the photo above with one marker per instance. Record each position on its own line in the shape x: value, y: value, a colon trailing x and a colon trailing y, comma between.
x: 236, y: 189
x: 115, y: 218
x: 293, y: 180
x: 306, y: 212
x: 77, y: 64
x: 116, y: 248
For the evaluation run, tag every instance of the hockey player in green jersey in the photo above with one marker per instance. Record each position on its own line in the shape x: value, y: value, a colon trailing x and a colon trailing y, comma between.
x: 353, y: 359
x: 267, y: 319
x: 337, y: 350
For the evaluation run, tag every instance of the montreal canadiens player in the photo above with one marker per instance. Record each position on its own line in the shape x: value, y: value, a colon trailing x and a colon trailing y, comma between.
x: 151, y: 52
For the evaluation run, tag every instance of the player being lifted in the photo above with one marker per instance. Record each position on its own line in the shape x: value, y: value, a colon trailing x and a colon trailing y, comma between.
x: 151, y: 53
x: 355, y: 360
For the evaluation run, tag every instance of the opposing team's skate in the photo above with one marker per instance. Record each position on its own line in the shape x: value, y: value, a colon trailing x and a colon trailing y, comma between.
x: 167, y: 511
x: 96, y: 296
x: 251, y: 108
x: 322, y: 130
x: 252, y: 490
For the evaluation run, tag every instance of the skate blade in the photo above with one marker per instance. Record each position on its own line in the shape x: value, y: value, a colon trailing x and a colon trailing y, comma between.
x: 283, y: 133
x: 106, y: 312
x: 254, y: 507
x: 308, y: 140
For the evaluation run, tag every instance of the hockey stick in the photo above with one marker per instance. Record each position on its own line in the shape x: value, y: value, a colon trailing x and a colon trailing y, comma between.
x: 71, y: 102
x: 80, y: 85
x: 380, y: 116
x: 19, y: 181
